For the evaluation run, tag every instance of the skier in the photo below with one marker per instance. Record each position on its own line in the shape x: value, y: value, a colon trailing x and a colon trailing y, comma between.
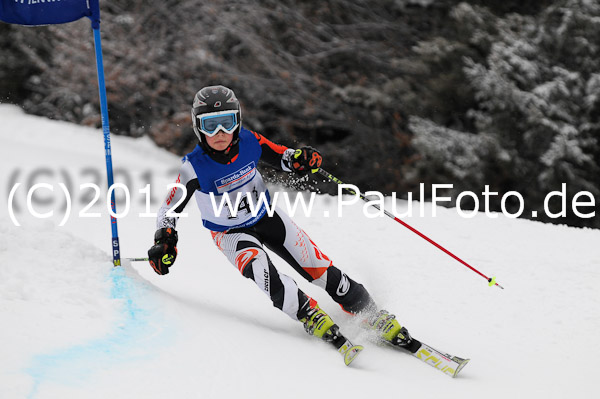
x: 224, y: 162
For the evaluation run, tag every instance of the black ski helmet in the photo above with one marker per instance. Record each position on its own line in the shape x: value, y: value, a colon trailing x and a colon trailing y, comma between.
x: 215, y: 99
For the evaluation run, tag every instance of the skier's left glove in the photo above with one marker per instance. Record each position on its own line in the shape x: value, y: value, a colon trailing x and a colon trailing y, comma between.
x: 306, y: 159
x: 164, y: 251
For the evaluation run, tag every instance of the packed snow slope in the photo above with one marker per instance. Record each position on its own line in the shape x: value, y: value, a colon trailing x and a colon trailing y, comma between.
x: 72, y: 326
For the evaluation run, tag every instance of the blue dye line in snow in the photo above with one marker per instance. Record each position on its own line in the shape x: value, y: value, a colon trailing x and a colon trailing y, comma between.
x: 73, y: 365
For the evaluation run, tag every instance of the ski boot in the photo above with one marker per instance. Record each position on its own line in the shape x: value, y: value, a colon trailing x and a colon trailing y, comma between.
x: 389, y: 330
x: 318, y: 323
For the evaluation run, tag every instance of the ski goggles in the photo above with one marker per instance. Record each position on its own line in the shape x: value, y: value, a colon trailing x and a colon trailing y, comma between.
x: 211, y: 124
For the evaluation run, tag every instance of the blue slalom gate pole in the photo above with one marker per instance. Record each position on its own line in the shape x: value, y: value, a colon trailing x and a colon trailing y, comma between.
x: 116, y: 252
x: 51, y: 12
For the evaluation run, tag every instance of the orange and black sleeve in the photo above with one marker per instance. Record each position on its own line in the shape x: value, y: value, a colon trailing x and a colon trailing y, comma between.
x: 272, y: 153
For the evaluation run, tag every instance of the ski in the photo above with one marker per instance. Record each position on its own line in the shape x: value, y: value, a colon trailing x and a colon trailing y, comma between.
x: 448, y: 364
x: 389, y: 331
x: 349, y: 351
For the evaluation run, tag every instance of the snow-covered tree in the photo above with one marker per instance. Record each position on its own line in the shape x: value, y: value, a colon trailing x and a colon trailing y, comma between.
x: 536, y: 97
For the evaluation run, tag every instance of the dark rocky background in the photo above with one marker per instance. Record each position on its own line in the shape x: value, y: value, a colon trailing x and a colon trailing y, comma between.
x: 393, y: 92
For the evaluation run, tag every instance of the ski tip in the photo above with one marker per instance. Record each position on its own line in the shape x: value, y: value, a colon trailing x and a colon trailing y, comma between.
x: 461, y: 365
x: 352, y: 353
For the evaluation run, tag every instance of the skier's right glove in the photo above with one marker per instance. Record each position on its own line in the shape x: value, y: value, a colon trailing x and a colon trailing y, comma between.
x: 164, y: 251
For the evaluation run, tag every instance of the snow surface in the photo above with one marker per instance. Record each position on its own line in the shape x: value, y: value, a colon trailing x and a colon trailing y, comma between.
x: 72, y: 326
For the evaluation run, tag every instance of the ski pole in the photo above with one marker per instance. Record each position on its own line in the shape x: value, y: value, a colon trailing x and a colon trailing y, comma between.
x: 137, y: 259
x: 332, y: 178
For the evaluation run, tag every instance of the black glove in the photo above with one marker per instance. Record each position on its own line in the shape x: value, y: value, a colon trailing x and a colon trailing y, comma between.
x: 164, y: 251
x: 306, y: 159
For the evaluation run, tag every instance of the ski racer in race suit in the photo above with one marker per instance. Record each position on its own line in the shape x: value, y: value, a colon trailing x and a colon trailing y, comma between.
x: 225, y: 162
